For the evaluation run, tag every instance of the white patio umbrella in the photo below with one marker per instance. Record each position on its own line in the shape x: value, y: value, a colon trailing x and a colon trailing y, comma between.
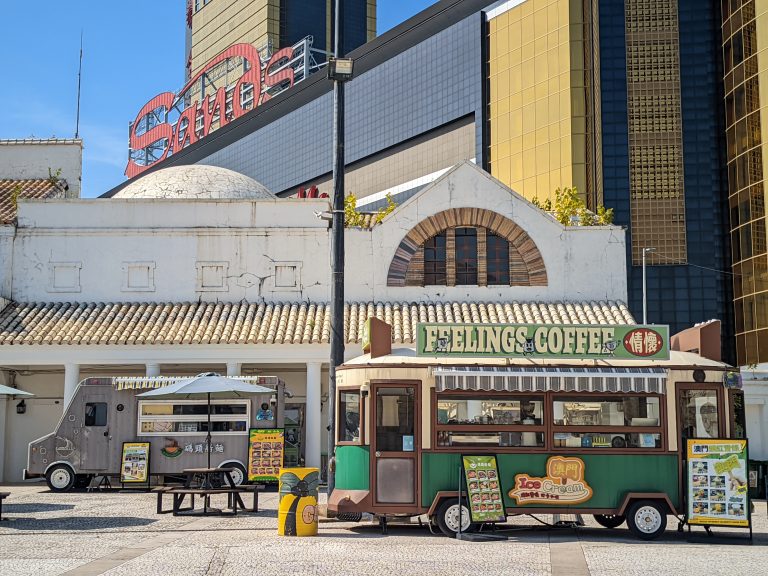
x: 207, y: 386
x: 8, y: 391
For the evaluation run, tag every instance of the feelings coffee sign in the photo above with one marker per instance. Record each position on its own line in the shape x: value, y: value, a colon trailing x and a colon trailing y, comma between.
x: 563, y: 484
x: 543, y: 341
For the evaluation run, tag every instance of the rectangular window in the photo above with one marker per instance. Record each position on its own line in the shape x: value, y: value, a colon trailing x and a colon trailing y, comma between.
x: 349, y: 416
x: 96, y: 414
x: 395, y: 419
x: 497, y: 259
x: 607, y: 411
x: 699, y: 414
x: 434, y: 261
x: 190, y: 417
x: 490, y: 421
x: 466, y: 257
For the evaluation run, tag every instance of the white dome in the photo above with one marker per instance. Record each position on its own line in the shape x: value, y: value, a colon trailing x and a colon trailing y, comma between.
x: 196, y: 181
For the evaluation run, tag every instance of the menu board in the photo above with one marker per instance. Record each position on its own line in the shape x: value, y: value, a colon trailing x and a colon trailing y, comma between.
x: 484, y: 489
x: 265, y: 453
x: 134, y: 465
x: 717, y: 482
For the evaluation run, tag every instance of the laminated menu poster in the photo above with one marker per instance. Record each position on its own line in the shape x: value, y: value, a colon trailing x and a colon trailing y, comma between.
x: 134, y: 465
x: 484, y: 489
x: 265, y: 453
x: 717, y: 482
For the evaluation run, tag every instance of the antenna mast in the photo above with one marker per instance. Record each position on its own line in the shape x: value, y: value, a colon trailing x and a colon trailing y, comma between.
x: 79, y: 75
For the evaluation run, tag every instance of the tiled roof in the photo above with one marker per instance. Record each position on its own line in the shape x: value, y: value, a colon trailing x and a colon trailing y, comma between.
x: 273, y: 323
x: 33, y: 188
x: 15, y: 141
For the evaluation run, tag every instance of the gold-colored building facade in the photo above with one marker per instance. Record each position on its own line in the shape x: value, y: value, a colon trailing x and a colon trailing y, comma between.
x: 544, y: 98
x: 654, y: 110
x: 745, y: 67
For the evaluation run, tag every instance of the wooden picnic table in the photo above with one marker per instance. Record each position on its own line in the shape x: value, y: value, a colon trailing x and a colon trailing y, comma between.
x: 209, y: 485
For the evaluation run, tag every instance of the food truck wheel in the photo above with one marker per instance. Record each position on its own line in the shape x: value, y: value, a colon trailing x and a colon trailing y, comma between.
x: 60, y: 478
x: 609, y: 520
x: 647, y: 519
x: 447, y: 517
x: 239, y: 476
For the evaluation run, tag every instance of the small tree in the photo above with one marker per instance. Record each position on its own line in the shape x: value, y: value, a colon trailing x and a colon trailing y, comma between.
x: 353, y: 217
x: 570, y: 210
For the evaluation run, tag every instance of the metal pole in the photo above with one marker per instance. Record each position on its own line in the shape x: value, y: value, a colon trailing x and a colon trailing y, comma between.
x: 645, y: 299
x: 337, y: 245
x: 645, y: 313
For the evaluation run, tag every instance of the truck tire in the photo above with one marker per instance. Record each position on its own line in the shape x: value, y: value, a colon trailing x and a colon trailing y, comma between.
x: 447, y: 517
x: 647, y: 519
x: 239, y: 475
x: 609, y: 520
x: 60, y: 478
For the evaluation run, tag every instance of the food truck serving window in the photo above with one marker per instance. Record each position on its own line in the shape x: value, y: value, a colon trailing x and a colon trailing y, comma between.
x: 349, y: 416
x: 610, y: 421
x: 190, y: 417
x: 489, y: 421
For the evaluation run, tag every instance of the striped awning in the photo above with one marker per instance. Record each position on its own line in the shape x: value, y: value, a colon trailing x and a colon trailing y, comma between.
x: 142, y: 382
x: 533, y: 379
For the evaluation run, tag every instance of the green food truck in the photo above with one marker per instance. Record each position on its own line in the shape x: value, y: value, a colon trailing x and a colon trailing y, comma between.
x: 527, y: 419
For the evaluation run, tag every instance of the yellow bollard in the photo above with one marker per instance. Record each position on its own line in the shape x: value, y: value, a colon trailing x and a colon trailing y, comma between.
x: 297, y: 511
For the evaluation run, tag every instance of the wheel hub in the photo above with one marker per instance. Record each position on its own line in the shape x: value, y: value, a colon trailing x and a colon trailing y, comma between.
x: 648, y: 519
x: 452, y: 518
x: 60, y: 478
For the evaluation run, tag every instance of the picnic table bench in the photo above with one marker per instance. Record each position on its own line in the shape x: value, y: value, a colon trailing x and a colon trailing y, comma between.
x: 3, y: 496
x: 206, y: 489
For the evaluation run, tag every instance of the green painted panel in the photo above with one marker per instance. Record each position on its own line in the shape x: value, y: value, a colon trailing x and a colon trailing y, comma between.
x: 353, y: 467
x: 611, y: 476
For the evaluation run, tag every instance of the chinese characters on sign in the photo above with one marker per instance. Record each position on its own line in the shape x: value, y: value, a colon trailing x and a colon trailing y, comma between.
x: 134, y: 466
x: 717, y: 482
x: 265, y: 453
x: 201, y: 448
x: 563, y: 484
x: 543, y: 341
x: 484, y: 489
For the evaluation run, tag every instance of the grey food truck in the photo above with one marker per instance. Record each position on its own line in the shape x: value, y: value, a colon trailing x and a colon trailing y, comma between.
x: 105, y: 412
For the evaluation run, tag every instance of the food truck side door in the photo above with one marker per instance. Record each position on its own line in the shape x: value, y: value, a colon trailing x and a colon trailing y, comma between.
x: 96, y: 435
x: 395, y: 445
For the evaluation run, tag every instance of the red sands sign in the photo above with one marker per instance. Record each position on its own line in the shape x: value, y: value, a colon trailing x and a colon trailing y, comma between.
x: 169, y: 122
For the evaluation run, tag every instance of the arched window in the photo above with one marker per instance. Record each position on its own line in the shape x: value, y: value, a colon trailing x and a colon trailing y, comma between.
x: 467, y: 246
x: 435, y: 261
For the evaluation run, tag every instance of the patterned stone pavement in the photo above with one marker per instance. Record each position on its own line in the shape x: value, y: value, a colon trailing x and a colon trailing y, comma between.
x: 119, y: 534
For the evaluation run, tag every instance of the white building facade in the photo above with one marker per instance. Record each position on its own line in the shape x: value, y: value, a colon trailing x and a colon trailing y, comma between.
x: 199, y: 268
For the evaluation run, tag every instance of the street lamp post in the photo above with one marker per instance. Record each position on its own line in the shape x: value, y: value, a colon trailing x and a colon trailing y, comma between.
x: 645, y: 302
x: 340, y: 71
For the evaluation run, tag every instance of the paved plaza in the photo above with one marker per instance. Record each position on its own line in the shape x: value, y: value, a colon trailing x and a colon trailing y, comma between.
x: 119, y: 533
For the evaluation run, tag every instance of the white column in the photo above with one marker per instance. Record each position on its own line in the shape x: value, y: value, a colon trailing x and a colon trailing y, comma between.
x: 314, y: 425
x: 153, y: 369
x: 3, y: 408
x: 71, y: 380
x: 233, y: 368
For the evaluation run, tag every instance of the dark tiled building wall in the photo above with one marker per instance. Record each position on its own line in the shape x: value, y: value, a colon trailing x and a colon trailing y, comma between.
x: 427, y: 86
x: 677, y: 295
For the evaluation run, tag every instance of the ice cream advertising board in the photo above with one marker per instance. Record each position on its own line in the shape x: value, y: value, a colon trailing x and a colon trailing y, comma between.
x: 265, y: 453
x: 717, y: 482
x: 135, y: 462
x: 484, y: 489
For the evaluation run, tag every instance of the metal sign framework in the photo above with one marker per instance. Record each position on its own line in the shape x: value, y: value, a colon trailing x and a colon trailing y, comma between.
x: 162, y: 126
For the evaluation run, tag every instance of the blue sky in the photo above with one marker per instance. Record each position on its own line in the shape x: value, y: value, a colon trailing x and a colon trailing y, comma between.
x: 132, y: 51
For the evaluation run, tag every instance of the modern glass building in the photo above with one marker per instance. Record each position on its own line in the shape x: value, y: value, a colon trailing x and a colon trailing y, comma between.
x: 745, y: 67
x: 619, y: 98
